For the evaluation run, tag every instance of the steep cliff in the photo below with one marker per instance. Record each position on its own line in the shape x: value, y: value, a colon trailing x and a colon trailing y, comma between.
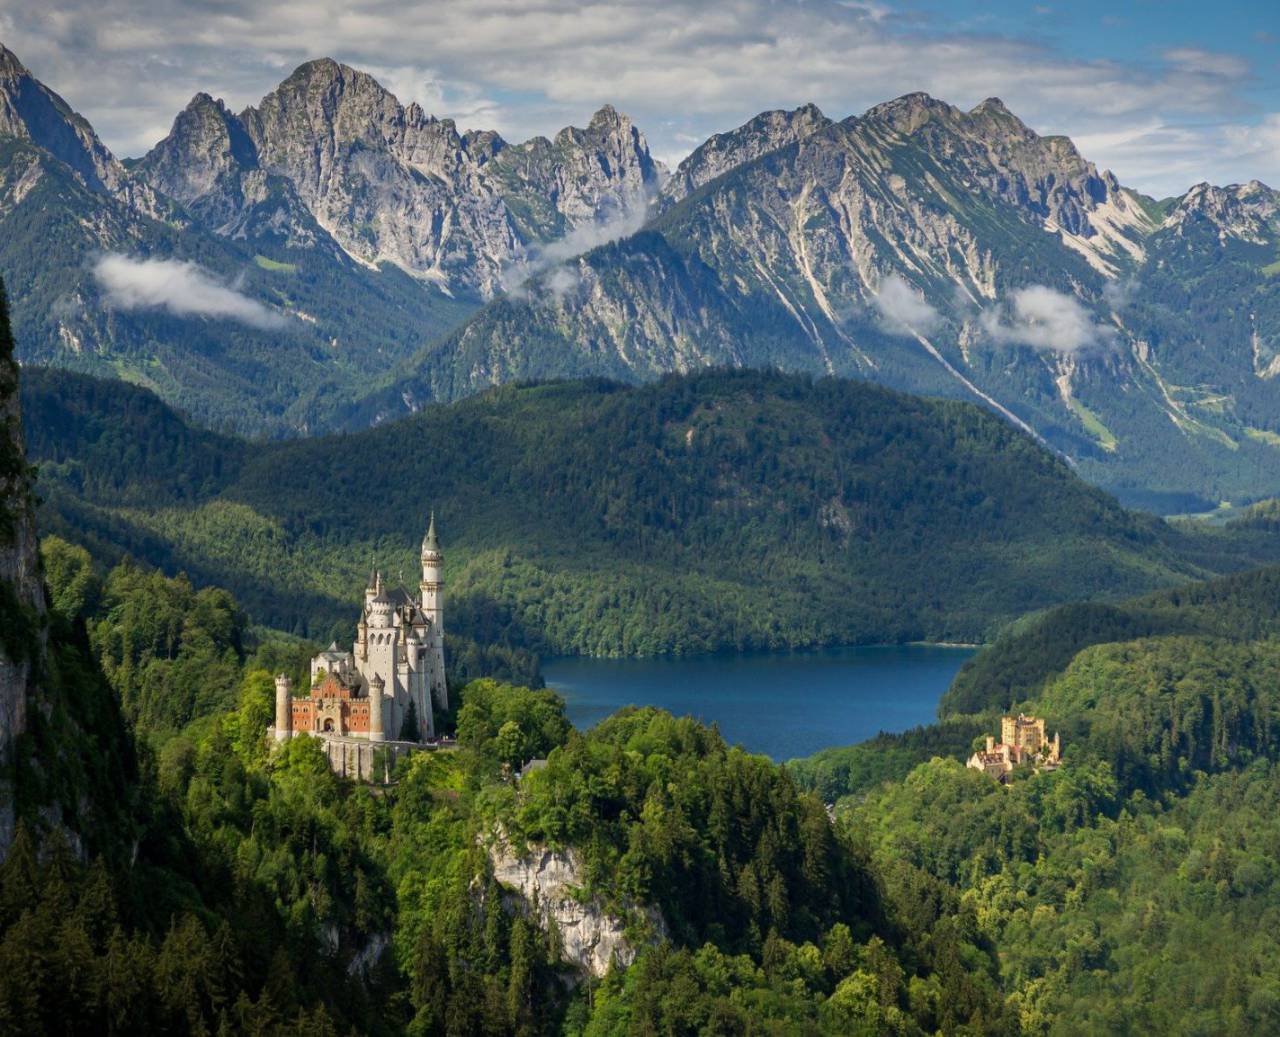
x: 22, y: 602
x: 67, y: 761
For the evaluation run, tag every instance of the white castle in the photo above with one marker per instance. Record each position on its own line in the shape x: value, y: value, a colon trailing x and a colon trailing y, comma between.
x: 384, y: 689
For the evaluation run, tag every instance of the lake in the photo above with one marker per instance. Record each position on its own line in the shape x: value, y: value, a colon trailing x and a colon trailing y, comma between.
x: 785, y: 704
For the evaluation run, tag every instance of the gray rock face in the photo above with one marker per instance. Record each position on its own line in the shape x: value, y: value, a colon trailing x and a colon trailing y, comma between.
x: 1248, y: 212
x: 209, y: 165
x: 30, y: 111
x: 331, y: 149
x: 546, y: 884
x: 993, y: 152
x: 21, y: 594
x: 600, y: 174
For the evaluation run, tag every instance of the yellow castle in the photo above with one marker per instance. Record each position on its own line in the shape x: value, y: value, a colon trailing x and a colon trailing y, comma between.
x: 1022, y: 741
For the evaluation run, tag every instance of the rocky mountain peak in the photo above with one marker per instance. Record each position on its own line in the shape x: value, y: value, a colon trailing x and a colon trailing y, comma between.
x: 31, y: 111
x: 206, y: 142
x: 762, y: 134
x: 10, y: 66
x: 992, y: 106
x: 1248, y: 212
x: 607, y: 114
x: 908, y: 113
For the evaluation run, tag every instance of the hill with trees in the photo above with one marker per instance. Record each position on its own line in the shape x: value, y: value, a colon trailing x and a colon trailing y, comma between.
x: 724, y: 509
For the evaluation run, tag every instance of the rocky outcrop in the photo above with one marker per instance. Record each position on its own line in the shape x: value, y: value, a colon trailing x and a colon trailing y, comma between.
x: 547, y: 885
x: 30, y: 111
x: 1045, y: 177
x: 583, y: 177
x: 210, y: 166
x: 22, y: 603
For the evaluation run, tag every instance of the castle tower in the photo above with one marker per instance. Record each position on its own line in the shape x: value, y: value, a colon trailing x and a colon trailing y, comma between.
x: 284, y: 708
x: 432, y: 588
x: 376, y: 686
x: 432, y: 585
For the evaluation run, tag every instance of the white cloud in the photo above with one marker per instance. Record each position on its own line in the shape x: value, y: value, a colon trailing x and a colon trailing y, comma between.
x: 679, y: 67
x: 553, y: 256
x: 1043, y: 318
x: 184, y: 289
x: 903, y: 310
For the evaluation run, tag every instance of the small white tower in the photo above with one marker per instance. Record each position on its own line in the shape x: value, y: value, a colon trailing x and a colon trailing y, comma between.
x: 376, y: 686
x: 284, y: 707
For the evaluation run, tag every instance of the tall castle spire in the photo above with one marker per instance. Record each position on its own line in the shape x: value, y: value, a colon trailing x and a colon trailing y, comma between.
x: 431, y: 542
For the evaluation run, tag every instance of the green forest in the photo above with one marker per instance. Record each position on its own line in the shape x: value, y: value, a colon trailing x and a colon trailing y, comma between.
x: 1107, y: 886
x: 229, y: 886
x: 722, y: 510
x: 232, y: 887
x: 172, y: 872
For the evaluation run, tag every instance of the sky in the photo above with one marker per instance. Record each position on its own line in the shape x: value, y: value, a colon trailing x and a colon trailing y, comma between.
x: 1165, y: 94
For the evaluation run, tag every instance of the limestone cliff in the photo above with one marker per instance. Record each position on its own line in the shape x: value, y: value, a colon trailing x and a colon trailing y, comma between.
x: 22, y: 602
x: 546, y: 884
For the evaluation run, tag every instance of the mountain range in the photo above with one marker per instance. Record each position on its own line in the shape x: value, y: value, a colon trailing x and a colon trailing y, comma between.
x: 330, y: 259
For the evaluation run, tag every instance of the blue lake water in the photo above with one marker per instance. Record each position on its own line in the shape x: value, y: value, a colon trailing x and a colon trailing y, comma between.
x: 785, y: 704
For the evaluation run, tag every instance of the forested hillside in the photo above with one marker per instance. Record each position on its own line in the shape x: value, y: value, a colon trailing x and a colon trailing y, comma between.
x: 255, y: 892
x: 1107, y: 885
x: 716, y: 510
x: 1243, y: 607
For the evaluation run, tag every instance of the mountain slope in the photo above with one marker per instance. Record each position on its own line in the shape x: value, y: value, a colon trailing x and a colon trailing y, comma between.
x: 724, y: 509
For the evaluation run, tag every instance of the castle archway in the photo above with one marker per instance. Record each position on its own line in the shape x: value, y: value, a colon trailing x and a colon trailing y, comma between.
x: 328, y: 723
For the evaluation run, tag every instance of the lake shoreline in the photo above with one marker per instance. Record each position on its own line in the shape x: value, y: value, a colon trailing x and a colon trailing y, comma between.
x: 969, y: 646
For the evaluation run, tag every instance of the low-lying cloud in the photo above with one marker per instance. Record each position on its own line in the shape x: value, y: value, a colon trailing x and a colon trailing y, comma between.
x: 552, y: 258
x: 183, y: 288
x: 903, y: 310
x: 1044, y: 318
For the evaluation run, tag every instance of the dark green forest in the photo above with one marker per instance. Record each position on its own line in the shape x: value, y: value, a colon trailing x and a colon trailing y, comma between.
x: 722, y: 510
x: 172, y: 872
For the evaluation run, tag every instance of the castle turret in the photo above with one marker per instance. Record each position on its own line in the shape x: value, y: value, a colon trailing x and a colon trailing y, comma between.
x: 371, y: 589
x: 376, y: 687
x: 284, y: 708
